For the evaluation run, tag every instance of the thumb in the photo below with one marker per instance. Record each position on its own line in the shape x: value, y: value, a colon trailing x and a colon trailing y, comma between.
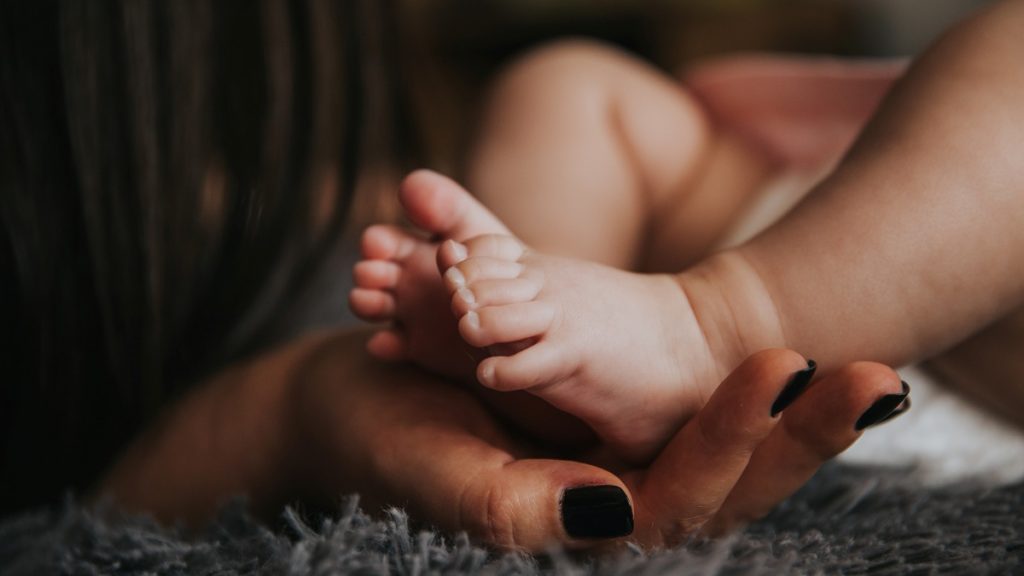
x: 433, y: 448
x: 449, y: 463
x: 533, y: 504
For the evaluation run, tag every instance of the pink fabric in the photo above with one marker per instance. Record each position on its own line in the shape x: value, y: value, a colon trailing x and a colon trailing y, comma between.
x: 804, y: 111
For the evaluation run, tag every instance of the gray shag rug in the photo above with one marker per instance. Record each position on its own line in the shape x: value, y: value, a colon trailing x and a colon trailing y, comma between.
x: 846, y: 520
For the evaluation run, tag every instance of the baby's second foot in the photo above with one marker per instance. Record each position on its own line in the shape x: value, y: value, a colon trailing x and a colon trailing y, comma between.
x: 397, y: 282
x: 397, y: 279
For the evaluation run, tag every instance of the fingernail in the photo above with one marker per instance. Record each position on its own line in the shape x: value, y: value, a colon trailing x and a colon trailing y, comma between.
x: 796, y: 386
x: 473, y: 319
x: 455, y: 277
x: 458, y: 251
x: 885, y: 408
x: 596, y: 512
x: 903, y: 407
x: 467, y: 295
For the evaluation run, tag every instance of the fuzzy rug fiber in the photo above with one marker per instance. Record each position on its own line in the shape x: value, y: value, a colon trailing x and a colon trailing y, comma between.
x: 846, y: 520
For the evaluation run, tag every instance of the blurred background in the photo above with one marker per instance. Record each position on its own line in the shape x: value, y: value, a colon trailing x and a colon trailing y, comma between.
x: 459, y: 44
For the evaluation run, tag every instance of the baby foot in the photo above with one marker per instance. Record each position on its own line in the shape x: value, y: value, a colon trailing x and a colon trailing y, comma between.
x: 621, y: 351
x: 397, y: 280
x: 624, y: 352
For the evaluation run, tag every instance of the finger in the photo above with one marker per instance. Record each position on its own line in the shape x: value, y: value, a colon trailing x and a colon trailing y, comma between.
x: 536, y: 504
x: 817, y: 427
x: 689, y: 481
x: 466, y: 479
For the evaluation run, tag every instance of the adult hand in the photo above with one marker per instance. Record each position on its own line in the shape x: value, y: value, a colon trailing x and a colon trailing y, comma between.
x: 399, y: 437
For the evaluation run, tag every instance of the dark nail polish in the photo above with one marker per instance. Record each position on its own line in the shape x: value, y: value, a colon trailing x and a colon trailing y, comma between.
x: 596, y: 512
x: 885, y: 408
x: 796, y: 386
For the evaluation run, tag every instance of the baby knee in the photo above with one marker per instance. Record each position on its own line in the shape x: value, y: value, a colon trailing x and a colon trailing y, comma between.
x: 563, y: 70
x: 578, y: 70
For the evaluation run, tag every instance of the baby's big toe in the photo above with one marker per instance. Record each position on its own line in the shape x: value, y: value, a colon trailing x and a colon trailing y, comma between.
x: 438, y: 205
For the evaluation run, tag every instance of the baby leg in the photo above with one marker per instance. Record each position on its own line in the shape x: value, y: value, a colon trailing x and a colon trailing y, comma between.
x: 915, y: 240
x: 583, y: 147
x: 587, y: 152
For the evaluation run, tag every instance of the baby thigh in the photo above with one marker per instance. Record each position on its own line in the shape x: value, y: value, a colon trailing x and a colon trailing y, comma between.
x: 583, y: 146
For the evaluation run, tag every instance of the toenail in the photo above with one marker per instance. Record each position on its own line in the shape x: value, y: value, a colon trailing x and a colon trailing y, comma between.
x: 486, y: 375
x: 459, y: 251
x: 467, y: 295
x: 455, y: 277
x: 473, y: 319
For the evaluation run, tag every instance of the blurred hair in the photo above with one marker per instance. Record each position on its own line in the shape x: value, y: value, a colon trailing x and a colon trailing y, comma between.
x: 171, y: 173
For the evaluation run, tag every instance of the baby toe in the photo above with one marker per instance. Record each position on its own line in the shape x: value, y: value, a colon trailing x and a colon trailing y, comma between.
x: 473, y: 270
x: 391, y: 345
x: 503, y: 324
x: 372, y: 305
x: 384, y: 242
x: 538, y: 365
x: 376, y: 274
x: 500, y: 246
x: 495, y: 293
x: 497, y: 246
